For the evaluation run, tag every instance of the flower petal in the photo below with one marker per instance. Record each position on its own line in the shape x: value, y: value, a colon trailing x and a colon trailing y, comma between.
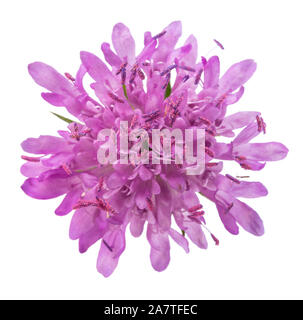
x: 47, y: 77
x: 270, y: 151
x: 237, y: 75
x: 110, y: 252
x: 180, y: 240
x: 212, y: 72
x: 110, y: 56
x: 124, y: 43
x: 44, y: 145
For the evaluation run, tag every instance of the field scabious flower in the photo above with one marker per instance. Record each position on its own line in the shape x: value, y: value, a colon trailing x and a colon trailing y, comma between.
x: 139, y: 89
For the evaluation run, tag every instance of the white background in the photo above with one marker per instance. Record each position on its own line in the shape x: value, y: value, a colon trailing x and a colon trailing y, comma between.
x: 37, y: 259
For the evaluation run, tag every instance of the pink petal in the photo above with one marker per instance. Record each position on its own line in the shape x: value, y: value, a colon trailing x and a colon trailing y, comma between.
x: 110, y: 56
x: 249, y: 190
x: 228, y: 220
x: 159, y: 259
x: 270, y: 151
x: 82, y: 221
x: 47, y: 77
x: 69, y: 202
x: 44, y: 145
x: 108, y: 259
x: 96, y: 68
x: 49, y: 188
x: 237, y: 75
x: 123, y: 42
x: 53, y: 98
x: 32, y: 169
x: 180, y: 240
x: 212, y: 72
x: 247, y: 218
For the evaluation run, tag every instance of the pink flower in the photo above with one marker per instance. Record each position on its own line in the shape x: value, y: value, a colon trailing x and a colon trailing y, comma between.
x: 138, y: 90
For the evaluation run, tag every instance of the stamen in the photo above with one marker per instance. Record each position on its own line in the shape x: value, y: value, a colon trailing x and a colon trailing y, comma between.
x: 187, y: 68
x: 232, y: 178
x: 205, y: 121
x: 84, y: 204
x: 219, y: 44
x: 195, y: 208
x: 31, y: 159
x: 212, y: 164
x: 66, y: 168
x: 167, y: 79
x: 123, y: 66
x: 242, y: 177
x: 115, y: 97
x: 240, y: 158
x: 198, y: 76
x: 133, y: 121
x: 217, y: 242
x: 100, y: 184
x: 76, y: 134
x: 141, y: 74
x: 151, y: 116
x: 245, y: 166
x: 204, y: 61
x: 229, y: 207
x: 69, y: 77
x: 170, y: 68
x: 99, y: 203
x: 107, y: 246
x: 211, y: 132
x: 211, y: 234
x: 209, y: 152
x: 150, y: 204
x: 259, y: 123
x: 159, y: 35
x: 185, y: 78
x: 218, y: 122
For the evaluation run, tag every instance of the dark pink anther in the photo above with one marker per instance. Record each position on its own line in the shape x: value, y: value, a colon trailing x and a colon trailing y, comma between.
x: 66, y: 168
x: 232, y: 178
x: 209, y: 152
x: 211, y: 164
x: 229, y: 207
x: 133, y: 121
x: 159, y: 35
x: 219, y: 44
x: 217, y: 242
x: 198, y: 76
x: 100, y: 184
x: 195, y: 208
x: 240, y: 158
x: 115, y: 97
x: 150, y: 204
x: 69, y: 77
x: 205, y: 121
x: 245, y: 166
x: 31, y: 159
x: 211, y: 132
x: 259, y: 123
x: 141, y: 74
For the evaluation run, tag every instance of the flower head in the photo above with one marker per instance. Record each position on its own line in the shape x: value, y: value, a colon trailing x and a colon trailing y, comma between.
x: 136, y: 96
